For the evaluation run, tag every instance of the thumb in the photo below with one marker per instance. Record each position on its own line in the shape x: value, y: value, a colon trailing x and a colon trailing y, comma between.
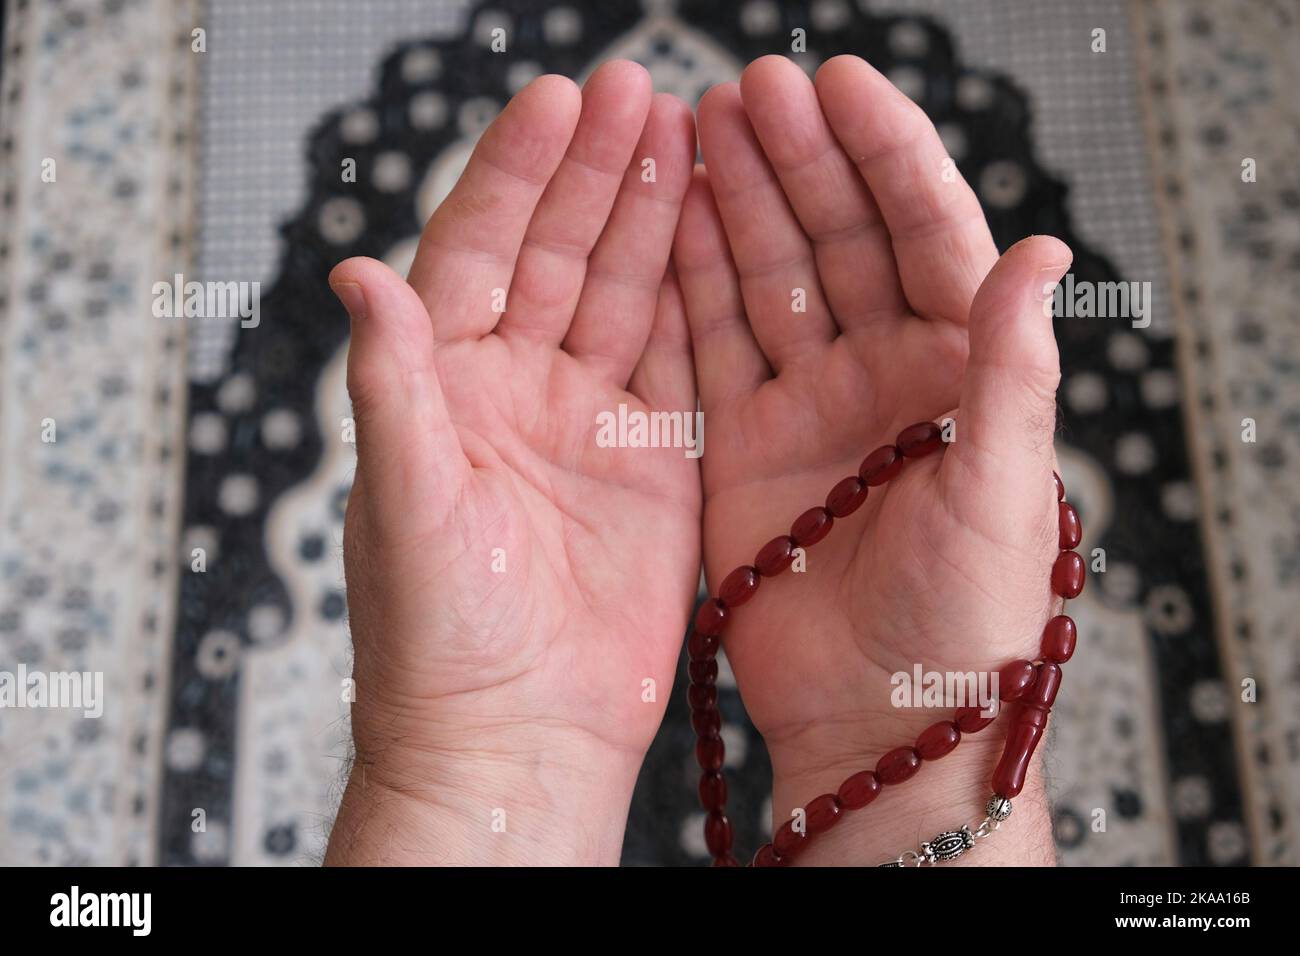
x: 1003, y: 454
x: 407, y: 449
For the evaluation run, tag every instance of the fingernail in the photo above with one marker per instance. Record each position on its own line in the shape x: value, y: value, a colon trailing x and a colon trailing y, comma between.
x: 353, y: 299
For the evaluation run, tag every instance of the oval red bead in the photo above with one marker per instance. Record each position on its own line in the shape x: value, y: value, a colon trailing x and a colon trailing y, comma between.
x: 881, y: 465
x: 811, y: 526
x: 775, y: 556
x: 1071, y: 527
x: 701, y: 646
x: 706, y: 721
x: 701, y: 696
x: 919, y: 440
x: 789, y: 842
x: 711, y: 617
x: 823, y: 813
x: 710, y: 753
x: 739, y: 586
x: 727, y: 860
x: 704, y: 670
x: 717, y: 833
x: 1014, y: 678
x: 1060, y: 487
x: 898, y: 765
x: 1067, y: 574
x: 713, y: 790
x: 971, y: 720
x: 1059, y: 638
x: 766, y: 856
x: 859, y: 790
x: 846, y: 497
x: 938, y: 740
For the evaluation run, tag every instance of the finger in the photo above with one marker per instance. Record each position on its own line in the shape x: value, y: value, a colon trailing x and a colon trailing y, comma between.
x: 937, y: 228
x: 468, y: 249
x: 855, y: 260
x: 728, y: 362
x: 626, y: 270
x: 773, y: 256
x: 664, y: 378
x: 572, y: 212
x: 1003, y: 454
x: 406, y: 445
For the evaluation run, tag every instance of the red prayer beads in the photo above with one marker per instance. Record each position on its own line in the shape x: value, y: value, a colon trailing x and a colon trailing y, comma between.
x: 846, y: 497
x: 881, y: 465
x: 1014, y: 679
x: 1067, y: 574
x: 775, y: 556
x: 739, y: 586
x: 938, y: 741
x: 898, y: 765
x: 1029, y: 722
x: 811, y: 526
x: 1032, y: 687
x: 1059, y: 637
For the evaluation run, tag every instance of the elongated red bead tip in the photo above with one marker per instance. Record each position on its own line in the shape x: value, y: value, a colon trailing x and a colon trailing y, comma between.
x: 811, y: 526
x: 846, y: 497
x: 1070, y: 526
x: 1060, y: 487
x: 1059, y: 638
x: 898, y: 765
x: 775, y: 556
x: 1046, y: 684
x: 938, y: 740
x: 1067, y: 575
x: 919, y: 440
x: 881, y: 465
x: 739, y: 586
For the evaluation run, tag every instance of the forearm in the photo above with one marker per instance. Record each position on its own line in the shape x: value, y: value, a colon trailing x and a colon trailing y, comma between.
x: 542, y: 804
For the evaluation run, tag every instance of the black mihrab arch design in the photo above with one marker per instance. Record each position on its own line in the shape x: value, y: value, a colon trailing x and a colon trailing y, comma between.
x: 304, y: 326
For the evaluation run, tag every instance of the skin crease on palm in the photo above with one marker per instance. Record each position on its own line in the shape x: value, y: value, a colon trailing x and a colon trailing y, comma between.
x: 524, y: 689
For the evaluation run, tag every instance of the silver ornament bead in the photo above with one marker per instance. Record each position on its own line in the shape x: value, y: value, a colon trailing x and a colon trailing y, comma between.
x: 998, y: 808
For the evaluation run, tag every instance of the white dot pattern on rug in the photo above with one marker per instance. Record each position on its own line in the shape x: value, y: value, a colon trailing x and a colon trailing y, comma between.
x: 272, y: 70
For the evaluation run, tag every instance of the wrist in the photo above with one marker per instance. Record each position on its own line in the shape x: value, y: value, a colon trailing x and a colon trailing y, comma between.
x: 944, y: 795
x: 503, y: 796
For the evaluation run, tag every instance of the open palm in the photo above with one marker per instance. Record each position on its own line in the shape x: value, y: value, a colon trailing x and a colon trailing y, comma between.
x: 508, y: 578
x: 838, y: 197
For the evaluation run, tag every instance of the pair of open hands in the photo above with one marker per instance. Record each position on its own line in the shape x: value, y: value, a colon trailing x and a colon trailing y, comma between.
x: 512, y: 585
